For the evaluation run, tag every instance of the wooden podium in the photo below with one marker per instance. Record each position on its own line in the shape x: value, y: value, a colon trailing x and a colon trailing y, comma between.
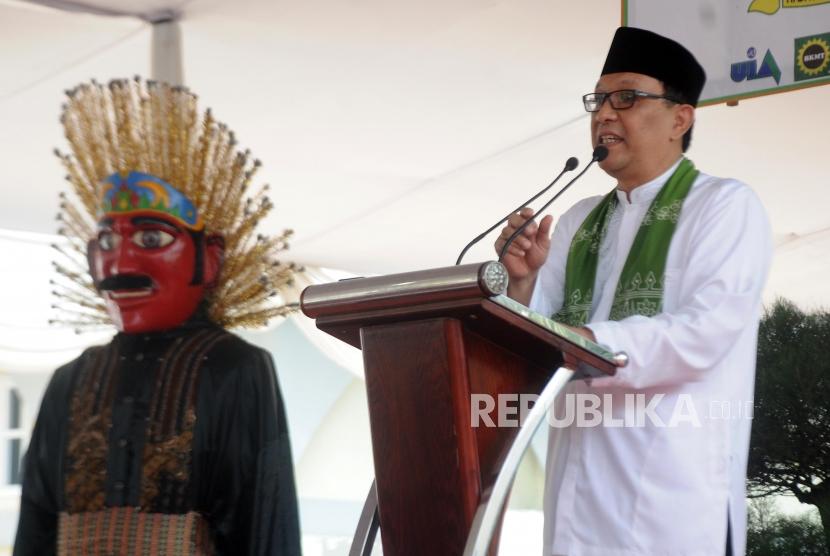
x: 432, y: 340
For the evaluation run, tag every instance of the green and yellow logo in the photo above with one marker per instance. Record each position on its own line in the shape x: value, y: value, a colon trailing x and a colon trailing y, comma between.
x: 769, y: 7
x: 812, y: 57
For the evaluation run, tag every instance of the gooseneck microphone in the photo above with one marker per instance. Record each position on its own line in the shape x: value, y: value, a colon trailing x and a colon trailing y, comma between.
x: 599, y: 155
x: 570, y: 164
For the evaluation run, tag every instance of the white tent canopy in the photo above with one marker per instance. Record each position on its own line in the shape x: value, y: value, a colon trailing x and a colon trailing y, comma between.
x: 392, y: 132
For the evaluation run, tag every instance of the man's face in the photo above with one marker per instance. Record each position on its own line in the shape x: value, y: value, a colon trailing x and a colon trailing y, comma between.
x: 143, y: 265
x: 643, y: 140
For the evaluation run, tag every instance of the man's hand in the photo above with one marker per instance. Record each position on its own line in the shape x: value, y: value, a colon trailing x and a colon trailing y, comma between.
x: 584, y: 332
x: 526, y: 254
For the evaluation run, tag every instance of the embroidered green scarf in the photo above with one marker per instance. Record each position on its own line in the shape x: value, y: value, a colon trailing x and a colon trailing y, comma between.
x: 640, y: 288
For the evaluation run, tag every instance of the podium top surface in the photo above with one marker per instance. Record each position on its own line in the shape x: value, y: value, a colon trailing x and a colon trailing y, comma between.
x: 408, y: 288
x: 471, y: 293
x: 559, y: 329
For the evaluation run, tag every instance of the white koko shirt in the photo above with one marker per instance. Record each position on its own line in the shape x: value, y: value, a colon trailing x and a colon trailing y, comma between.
x: 662, y: 486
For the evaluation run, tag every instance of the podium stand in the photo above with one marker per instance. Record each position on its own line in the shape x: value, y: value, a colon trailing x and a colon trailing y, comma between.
x: 433, y: 342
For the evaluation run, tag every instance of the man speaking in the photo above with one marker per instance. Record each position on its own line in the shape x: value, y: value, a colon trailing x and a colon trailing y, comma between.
x: 668, y: 267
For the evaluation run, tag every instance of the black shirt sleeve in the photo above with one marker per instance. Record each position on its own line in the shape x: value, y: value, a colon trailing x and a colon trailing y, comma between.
x: 243, y: 470
x: 40, y: 500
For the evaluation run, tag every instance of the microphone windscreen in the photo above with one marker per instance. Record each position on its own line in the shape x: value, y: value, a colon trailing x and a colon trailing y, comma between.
x: 600, y: 153
x: 571, y: 164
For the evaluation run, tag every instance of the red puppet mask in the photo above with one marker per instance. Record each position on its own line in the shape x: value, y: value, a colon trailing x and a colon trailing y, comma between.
x: 149, y: 264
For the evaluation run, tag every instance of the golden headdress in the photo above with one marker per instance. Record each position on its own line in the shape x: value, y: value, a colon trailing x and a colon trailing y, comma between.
x: 155, y: 128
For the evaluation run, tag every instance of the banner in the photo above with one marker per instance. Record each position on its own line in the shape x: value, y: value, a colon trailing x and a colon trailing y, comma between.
x: 747, y: 47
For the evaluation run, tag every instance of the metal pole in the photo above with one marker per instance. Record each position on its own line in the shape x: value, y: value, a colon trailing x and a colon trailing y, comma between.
x: 488, y: 513
x: 166, y: 52
x: 367, y: 527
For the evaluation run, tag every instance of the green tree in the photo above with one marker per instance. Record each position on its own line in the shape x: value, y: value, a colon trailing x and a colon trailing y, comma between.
x: 790, y: 446
x: 770, y: 533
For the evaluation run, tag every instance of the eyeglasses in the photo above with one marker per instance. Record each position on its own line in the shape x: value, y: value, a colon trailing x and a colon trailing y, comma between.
x: 620, y: 100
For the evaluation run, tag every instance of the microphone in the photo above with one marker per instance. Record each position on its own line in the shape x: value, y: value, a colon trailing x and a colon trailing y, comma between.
x: 598, y: 156
x: 570, y: 164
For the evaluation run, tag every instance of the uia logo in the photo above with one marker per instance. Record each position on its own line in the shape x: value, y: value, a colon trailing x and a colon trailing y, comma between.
x: 769, y: 7
x: 812, y: 57
x: 748, y: 70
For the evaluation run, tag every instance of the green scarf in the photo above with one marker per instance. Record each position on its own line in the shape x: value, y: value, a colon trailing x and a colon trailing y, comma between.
x: 640, y: 289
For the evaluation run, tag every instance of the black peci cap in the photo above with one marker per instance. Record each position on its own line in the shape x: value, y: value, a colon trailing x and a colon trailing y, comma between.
x: 640, y: 51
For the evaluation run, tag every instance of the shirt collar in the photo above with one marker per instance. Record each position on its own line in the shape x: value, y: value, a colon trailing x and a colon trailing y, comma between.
x: 648, y: 191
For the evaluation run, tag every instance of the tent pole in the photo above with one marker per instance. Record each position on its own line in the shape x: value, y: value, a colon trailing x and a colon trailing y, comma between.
x: 166, y: 52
